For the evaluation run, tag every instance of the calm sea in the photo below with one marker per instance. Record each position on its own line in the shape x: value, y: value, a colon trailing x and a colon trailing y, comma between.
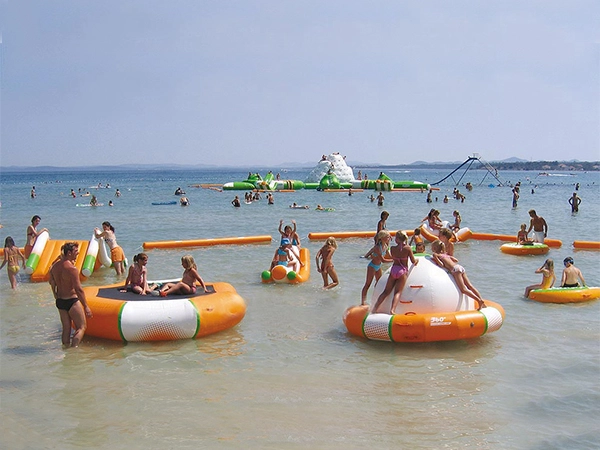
x: 289, y: 375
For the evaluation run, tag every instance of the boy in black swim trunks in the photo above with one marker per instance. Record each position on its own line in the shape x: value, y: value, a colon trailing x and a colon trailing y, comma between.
x: 571, y: 274
x: 69, y: 295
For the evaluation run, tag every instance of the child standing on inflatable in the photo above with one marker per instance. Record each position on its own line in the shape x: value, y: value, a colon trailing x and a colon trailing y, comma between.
x: 137, y: 280
x: 548, y: 277
x: 116, y: 253
x: 378, y: 254
x: 187, y: 285
x: 324, y: 264
x: 12, y: 253
x: 400, y: 253
x: 450, y: 263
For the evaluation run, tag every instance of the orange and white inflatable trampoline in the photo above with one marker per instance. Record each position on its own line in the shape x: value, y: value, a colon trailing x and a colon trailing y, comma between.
x: 431, y: 309
x: 125, y: 316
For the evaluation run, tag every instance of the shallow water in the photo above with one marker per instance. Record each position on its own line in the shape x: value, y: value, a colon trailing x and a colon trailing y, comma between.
x: 289, y: 375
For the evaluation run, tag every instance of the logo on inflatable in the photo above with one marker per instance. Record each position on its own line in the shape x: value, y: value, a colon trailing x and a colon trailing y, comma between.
x: 438, y: 321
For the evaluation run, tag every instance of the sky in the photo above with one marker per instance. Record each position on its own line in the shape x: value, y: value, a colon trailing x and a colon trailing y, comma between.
x: 238, y: 83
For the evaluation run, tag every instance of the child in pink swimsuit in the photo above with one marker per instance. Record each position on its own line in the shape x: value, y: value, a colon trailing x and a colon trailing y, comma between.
x: 136, y: 280
x: 400, y: 253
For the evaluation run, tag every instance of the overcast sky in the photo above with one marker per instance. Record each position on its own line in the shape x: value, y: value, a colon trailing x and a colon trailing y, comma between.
x: 267, y: 82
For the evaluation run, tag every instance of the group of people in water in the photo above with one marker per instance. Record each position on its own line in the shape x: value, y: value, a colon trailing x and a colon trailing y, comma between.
x: 538, y: 225
x: 402, y: 253
x: 250, y: 197
x: 73, y: 308
x: 287, y: 254
x: 571, y: 276
x: 574, y: 200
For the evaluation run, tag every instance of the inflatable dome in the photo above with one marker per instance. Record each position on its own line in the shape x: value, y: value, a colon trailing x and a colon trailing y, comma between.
x: 431, y: 309
x: 334, y: 164
x: 428, y: 289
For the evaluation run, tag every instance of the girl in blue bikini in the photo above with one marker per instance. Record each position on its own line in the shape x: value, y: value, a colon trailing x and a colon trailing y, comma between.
x: 289, y: 233
x: 379, y: 254
x: 400, y: 253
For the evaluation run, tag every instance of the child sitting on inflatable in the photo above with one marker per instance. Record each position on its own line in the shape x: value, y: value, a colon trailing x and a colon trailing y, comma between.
x: 284, y: 256
x: 548, y: 277
x: 137, y: 281
x: 571, y: 274
x: 187, y: 284
x: 522, y: 236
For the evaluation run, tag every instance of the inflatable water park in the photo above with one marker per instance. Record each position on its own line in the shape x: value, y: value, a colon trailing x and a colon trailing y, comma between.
x: 330, y: 173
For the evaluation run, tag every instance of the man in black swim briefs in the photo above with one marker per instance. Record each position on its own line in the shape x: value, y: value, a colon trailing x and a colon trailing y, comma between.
x: 69, y: 295
x: 65, y: 305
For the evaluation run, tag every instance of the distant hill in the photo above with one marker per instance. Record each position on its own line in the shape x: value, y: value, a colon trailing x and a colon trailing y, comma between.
x: 506, y: 164
x: 435, y: 163
x: 508, y: 160
x: 511, y: 160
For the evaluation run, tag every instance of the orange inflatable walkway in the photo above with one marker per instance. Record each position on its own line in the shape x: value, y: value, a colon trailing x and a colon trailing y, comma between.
x: 2, y: 251
x: 586, y: 245
x: 554, y: 243
x: 349, y: 234
x: 208, y: 242
x: 50, y: 253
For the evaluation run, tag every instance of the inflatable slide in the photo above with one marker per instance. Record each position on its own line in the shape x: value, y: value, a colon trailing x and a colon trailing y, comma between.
x: 92, y: 254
